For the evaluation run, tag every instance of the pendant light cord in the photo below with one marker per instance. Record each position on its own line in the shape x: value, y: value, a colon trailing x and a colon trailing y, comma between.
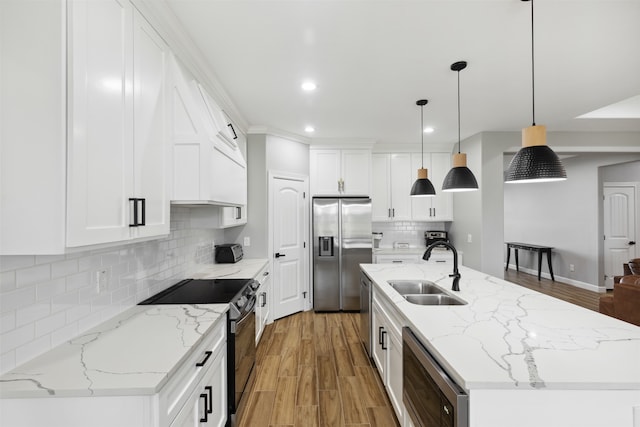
x: 422, y: 134
x: 533, y: 80
x: 458, y: 112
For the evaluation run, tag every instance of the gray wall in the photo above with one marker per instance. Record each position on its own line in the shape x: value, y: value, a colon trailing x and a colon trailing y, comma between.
x: 265, y: 153
x: 566, y: 215
x: 482, y: 213
x: 622, y: 172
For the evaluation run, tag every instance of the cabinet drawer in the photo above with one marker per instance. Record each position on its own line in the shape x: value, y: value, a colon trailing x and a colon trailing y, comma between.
x: 179, y: 387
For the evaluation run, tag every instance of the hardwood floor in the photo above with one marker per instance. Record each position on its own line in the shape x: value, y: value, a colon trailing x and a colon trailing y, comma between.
x: 563, y: 291
x: 312, y: 370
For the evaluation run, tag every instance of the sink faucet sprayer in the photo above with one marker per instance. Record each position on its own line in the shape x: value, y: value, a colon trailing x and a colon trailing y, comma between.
x: 456, y: 274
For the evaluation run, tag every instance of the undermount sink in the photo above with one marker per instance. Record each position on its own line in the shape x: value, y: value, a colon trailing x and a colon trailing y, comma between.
x: 433, y: 299
x: 404, y: 287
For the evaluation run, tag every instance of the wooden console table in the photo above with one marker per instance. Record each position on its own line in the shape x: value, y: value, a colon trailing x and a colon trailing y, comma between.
x: 534, y: 248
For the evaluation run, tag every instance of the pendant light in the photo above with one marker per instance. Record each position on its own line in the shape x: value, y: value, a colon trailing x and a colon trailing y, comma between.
x: 460, y: 177
x: 422, y: 187
x: 535, y: 162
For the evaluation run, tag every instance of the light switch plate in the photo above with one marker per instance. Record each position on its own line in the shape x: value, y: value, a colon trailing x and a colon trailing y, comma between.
x: 247, y: 241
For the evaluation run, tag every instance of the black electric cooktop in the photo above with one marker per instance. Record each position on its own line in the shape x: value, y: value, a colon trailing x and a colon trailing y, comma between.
x: 200, y: 291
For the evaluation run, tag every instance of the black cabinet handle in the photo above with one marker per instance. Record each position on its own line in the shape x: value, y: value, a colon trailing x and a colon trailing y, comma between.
x: 264, y: 299
x: 137, y: 213
x: 235, y: 135
x: 207, y: 355
x: 384, y: 343
x: 380, y: 330
x: 209, y: 390
x: 205, y: 418
x: 278, y: 255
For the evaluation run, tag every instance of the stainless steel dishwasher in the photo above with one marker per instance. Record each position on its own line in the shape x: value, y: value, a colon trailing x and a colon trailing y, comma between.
x: 365, y: 311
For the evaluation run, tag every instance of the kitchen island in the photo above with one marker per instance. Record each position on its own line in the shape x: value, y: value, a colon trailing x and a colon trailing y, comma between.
x: 524, y: 358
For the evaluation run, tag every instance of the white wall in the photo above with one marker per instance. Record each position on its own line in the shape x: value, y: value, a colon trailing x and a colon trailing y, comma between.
x: 46, y: 300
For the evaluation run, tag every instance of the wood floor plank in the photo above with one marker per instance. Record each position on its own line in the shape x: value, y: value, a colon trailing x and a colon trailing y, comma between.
x: 358, y: 354
x: 326, y: 373
x: 352, y: 409
x: 259, y: 410
x: 307, y: 416
x: 370, y: 392
x: 307, y: 391
x: 351, y: 333
x: 330, y: 408
x: 344, y: 366
x: 337, y: 338
x: 289, y: 362
x: 267, y: 375
x: 276, y: 344
x: 307, y: 353
x: 381, y: 416
x: 284, y: 409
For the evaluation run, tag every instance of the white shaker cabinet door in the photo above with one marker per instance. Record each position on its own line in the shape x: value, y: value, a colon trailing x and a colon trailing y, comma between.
x: 100, y: 140
x: 401, y: 183
x: 356, y: 172
x: 151, y: 169
x: 380, y: 188
x: 325, y: 172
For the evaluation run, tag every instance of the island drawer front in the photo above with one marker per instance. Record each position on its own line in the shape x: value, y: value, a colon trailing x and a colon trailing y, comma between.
x: 180, y: 385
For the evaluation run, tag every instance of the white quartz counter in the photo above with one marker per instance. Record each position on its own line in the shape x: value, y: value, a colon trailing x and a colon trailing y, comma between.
x: 510, y: 337
x: 134, y: 353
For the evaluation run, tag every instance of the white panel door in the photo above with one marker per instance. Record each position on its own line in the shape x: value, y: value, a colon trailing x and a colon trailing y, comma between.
x: 99, y: 174
x: 619, y: 229
x: 150, y: 128
x: 290, y: 287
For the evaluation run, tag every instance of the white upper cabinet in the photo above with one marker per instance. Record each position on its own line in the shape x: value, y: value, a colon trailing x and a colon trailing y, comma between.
x: 117, y: 152
x: 89, y: 115
x: 340, y: 172
x: 440, y: 207
x: 209, y: 166
x: 392, y: 182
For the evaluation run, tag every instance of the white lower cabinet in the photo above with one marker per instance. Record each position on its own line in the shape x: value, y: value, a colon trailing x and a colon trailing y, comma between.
x: 387, y: 351
x: 206, y: 405
x: 262, y: 305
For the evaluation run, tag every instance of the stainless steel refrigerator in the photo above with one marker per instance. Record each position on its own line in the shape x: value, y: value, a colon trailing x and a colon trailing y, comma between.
x: 341, y: 242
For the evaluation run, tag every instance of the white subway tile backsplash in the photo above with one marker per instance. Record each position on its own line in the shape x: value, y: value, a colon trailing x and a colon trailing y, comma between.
x: 46, y: 300
x: 15, y: 262
x: 32, y: 275
x: 16, y: 299
x: 64, y: 268
x: 32, y: 313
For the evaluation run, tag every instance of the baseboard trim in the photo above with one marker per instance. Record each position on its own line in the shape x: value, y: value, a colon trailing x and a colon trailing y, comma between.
x: 578, y: 284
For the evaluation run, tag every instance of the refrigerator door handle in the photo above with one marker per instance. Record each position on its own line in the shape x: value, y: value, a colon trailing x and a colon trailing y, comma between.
x: 356, y: 243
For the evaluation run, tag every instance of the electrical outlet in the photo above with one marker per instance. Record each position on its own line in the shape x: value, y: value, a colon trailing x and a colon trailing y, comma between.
x: 572, y: 267
x: 247, y: 241
x: 469, y: 238
x: 102, y: 280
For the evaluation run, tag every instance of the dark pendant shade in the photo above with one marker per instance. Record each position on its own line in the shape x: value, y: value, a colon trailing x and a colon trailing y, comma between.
x: 537, y: 163
x: 460, y: 179
x: 422, y: 188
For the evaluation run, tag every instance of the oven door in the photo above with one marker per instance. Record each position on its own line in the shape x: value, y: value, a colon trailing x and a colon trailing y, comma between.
x: 430, y: 396
x: 242, y: 346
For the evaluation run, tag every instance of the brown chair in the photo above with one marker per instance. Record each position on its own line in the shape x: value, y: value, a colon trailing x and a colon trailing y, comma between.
x: 634, y: 266
x: 624, y: 303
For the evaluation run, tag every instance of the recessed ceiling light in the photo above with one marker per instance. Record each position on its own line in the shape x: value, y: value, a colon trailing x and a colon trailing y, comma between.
x: 309, y: 129
x: 429, y: 130
x: 309, y: 86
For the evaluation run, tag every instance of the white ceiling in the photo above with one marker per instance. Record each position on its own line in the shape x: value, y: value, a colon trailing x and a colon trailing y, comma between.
x: 373, y: 59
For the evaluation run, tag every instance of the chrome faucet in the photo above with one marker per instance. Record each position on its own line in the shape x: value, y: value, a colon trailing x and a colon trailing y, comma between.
x: 456, y: 274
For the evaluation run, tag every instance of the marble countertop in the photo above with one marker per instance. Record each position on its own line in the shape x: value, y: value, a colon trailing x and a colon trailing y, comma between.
x: 133, y: 353
x: 511, y: 337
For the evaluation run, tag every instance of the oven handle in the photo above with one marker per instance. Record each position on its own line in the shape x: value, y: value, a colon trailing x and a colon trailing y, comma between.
x: 235, y: 324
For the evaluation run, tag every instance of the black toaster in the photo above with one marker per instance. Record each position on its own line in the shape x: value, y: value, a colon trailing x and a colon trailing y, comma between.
x: 228, y: 253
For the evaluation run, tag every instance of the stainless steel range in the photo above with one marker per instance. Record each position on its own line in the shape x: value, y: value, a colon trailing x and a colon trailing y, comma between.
x: 241, y: 327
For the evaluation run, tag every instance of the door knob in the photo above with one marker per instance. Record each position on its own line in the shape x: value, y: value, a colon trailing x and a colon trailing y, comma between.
x: 631, y: 243
x: 278, y: 255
